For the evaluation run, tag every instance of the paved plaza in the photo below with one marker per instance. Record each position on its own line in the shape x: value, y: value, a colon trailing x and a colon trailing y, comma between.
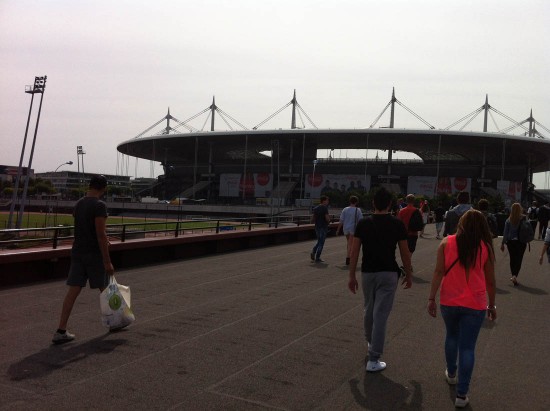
x: 266, y: 329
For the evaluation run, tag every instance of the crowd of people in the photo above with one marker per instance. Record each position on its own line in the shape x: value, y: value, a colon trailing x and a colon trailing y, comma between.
x: 464, y: 274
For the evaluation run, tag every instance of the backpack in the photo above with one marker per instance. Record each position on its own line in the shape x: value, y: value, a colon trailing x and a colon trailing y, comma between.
x: 526, y: 234
x: 493, y: 226
x: 533, y: 211
x: 543, y: 213
x: 451, y: 222
x: 416, y: 223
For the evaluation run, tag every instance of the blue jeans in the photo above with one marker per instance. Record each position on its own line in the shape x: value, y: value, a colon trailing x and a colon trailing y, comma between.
x: 321, y: 233
x: 463, y: 325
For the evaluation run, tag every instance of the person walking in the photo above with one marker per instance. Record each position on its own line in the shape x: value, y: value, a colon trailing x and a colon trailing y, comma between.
x: 454, y: 214
x: 439, y: 215
x: 349, y: 218
x: 545, y: 248
x: 90, y: 260
x: 465, y: 270
x: 543, y: 216
x: 483, y: 206
x: 510, y: 239
x: 405, y: 215
x: 321, y: 219
x: 379, y: 235
x: 425, y: 210
x: 532, y: 215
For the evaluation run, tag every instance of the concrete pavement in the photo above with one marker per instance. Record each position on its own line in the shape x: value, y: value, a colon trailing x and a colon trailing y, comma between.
x: 267, y: 329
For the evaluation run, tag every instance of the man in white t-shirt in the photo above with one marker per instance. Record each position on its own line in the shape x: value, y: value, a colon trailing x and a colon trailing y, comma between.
x: 349, y: 218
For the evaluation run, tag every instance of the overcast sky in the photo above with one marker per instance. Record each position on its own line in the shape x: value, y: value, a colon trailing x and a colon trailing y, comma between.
x: 114, y: 67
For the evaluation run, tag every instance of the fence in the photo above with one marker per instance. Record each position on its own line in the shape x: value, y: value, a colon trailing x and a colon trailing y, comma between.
x: 52, y: 237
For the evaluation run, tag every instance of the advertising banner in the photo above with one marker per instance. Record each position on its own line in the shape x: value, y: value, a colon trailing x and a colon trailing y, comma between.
x: 421, y: 185
x: 252, y: 185
x: 324, y: 184
x: 425, y: 185
x: 510, y: 190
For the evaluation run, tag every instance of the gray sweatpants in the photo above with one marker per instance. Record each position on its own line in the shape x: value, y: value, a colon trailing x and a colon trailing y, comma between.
x: 379, y: 291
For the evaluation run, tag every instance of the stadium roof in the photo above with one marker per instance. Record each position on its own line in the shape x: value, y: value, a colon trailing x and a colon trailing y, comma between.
x: 429, y: 145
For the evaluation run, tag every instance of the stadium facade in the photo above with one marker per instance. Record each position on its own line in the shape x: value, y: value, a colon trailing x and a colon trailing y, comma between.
x: 250, y: 166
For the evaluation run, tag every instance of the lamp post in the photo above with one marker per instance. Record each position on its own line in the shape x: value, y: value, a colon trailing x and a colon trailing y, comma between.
x: 61, y: 184
x: 39, y: 86
x: 80, y: 153
x: 61, y: 165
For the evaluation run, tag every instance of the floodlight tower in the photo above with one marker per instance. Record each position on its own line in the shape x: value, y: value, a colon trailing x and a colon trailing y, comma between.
x: 38, y: 87
x: 80, y: 157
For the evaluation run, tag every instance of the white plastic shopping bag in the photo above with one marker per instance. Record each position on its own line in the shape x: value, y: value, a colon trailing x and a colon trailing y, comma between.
x: 115, y: 304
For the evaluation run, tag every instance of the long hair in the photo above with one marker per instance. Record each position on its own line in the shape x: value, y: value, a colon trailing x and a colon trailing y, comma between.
x: 472, y: 229
x: 516, y: 214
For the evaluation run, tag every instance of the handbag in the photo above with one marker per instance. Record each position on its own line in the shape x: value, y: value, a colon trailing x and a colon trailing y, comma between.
x: 115, y: 305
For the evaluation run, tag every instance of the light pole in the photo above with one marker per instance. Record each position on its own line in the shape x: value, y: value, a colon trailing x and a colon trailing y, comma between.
x: 55, y: 171
x: 80, y: 153
x: 39, y: 85
x: 61, y: 165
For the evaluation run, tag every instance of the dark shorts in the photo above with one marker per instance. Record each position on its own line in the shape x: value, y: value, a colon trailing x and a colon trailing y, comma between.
x: 87, y: 267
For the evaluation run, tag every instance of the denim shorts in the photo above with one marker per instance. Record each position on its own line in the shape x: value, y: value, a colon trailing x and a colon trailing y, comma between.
x: 87, y: 267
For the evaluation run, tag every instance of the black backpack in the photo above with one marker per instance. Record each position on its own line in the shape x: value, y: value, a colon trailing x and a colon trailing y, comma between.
x: 543, y: 213
x: 493, y: 226
x: 526, y: 233
x: 416, y: 223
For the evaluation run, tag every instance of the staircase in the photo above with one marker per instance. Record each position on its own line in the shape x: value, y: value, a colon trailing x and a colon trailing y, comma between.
x: 200, y: 186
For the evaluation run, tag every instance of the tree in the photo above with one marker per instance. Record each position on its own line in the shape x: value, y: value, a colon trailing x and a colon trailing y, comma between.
x: 43, y: 186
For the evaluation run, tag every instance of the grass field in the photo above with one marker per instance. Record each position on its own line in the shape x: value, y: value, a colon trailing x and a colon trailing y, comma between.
x: 44, y: 220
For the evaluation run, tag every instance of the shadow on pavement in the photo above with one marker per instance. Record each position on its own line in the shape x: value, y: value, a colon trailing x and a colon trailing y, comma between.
x: 531, y: 290
x: 56, y: 357
x: 501, y: 291
x: 381, y: 394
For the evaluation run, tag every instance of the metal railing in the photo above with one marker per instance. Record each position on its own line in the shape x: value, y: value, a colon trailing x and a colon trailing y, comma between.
x: 52, y: 237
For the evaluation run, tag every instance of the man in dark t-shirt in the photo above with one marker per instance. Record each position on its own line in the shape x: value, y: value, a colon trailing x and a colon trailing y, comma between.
x: 379, y: 235
x: 90, y: 260
x: 85, y: 234
x: 321, y: 219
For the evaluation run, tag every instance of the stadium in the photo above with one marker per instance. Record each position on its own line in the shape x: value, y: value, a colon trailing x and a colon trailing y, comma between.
x: 284, y: 166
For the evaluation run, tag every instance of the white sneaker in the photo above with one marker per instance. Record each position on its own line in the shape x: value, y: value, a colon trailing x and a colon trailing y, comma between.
x: 375, y: 366
x: 450, y: 380
x: 461, y: 402
x: 59, y: 338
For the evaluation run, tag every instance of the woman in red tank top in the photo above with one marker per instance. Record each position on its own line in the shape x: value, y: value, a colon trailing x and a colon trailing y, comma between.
x: 465, y: 270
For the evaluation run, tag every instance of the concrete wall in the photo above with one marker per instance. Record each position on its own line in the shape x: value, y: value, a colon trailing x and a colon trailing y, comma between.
x: 19, y: 267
